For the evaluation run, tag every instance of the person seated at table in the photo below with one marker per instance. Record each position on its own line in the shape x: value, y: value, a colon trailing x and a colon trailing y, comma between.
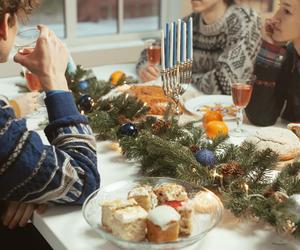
x: 276, y: 92
x: 32, y: 173
x: 226, y: 39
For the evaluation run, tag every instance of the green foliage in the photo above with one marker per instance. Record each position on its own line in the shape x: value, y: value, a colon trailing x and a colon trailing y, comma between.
x: 164, y: 148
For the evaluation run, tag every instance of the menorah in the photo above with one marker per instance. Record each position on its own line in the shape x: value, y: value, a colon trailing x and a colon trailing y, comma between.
x: 174, y: 48
x: 175, y: 81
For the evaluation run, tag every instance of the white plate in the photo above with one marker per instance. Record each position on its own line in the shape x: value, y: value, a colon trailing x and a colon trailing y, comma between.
x: 203, y: 103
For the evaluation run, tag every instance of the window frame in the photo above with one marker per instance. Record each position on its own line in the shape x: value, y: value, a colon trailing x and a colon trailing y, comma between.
x: 106, y: 49
x: 70, y: 13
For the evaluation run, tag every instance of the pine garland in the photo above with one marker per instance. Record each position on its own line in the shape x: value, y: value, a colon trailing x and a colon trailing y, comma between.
x: 164, y: 148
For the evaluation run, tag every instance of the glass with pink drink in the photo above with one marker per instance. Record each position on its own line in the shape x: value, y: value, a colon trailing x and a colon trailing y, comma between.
x: 153, y: 52
x: 241, y: 91
x: 25, y: 44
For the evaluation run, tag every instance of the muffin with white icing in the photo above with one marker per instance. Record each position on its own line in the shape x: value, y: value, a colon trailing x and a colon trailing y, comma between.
x: 175, y: 195
x: 163, y: 224
x: 144, y: 196
x: 110, y: 207
x: 130, y: 223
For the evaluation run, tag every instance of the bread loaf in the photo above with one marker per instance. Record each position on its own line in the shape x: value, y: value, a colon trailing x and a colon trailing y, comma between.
x: 283, y: 141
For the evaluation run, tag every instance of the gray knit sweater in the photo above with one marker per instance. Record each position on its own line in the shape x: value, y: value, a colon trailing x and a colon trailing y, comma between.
x: 223, y: 51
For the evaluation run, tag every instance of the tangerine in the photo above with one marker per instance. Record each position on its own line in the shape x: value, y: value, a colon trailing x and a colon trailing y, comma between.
x: 117, y: 77
x: 216, y: 128
x: 211, y: 116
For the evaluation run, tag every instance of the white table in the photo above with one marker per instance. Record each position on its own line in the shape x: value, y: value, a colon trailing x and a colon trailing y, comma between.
x: 65, y: 228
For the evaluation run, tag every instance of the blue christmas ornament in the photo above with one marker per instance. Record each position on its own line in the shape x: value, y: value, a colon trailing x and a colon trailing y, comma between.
x: 83, y: 85
x: 128, y: 129
x: 205, y: 157
x: 85, y: 103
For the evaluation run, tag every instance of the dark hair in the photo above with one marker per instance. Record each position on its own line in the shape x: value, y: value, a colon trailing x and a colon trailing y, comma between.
x: 21, y: 8
x: 229, y: 2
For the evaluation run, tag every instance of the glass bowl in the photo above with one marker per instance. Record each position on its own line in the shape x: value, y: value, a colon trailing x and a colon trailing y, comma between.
x: 202, y: 223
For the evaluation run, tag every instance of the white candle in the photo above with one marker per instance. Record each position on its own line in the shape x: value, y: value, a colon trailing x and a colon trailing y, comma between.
x: 189, y: 39
x: 171, y: 45
x: 178, y: 39
x: 184, y: 42
x: 162, y: 45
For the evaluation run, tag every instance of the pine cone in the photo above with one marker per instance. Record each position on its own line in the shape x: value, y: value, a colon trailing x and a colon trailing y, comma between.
x: 160, y: 126
x: 289, y: 227
x: 280, y: 196
x: 194, y: 148
x: 123, y: 119
x: 269, y: 192
x: 277, y: 195
x: 231, y: 169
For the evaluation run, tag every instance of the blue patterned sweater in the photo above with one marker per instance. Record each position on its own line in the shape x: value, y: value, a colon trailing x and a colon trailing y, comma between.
x: 64, y: 171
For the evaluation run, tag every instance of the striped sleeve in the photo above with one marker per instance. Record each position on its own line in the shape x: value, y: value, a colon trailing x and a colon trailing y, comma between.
x: 142, y: 61
x: 64, y: 171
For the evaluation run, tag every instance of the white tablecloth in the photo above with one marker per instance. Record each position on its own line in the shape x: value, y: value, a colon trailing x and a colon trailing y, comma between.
x: 64, y: 226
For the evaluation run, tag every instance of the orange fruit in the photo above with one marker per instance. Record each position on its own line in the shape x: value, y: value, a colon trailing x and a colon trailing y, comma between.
x: 216, y: 128
x: 117, y: 77
x: 211, y: 116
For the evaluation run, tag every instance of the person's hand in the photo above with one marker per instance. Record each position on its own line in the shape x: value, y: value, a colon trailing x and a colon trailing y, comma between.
x: 48, y: 60
x: 149, y: 73
x: 26, y: 104
x: 268, y: 31
x: 18, y: 213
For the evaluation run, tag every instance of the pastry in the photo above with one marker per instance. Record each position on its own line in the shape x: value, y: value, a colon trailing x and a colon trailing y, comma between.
x: 153, y: 96
x: 109, y: 208
x: 129, y: 223
x: 167, y: 192
x: 185, y: 223
x: 163, y: 224
x: 205, y: 202
x: 144, y: 196
x: 283, y: 141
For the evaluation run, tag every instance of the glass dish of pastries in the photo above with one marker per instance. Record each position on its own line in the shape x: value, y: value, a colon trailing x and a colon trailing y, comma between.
x: 152, y: 213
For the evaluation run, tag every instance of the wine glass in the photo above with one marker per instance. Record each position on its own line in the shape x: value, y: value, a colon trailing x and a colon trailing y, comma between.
x: 153, y: 52
x: 25, y: 44
x: 241, y: 91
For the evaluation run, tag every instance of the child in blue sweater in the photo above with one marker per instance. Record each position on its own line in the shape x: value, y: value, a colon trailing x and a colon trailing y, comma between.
x: 31, y: 173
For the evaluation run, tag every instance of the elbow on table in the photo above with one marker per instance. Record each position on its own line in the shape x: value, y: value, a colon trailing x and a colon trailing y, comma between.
x: 261, y: 120
x: 92, y: 183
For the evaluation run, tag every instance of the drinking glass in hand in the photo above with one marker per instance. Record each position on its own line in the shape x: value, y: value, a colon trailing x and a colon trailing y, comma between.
x: 25, y: 44
x: 153, y: 52
x: 241, y: 93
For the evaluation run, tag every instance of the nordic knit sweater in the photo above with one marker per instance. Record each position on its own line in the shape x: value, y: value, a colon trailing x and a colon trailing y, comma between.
x: 223, y: 51
x: 64, y: 171
x: 276, y: 91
